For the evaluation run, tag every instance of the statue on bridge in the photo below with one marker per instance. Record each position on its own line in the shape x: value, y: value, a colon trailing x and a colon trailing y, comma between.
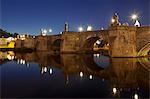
x: 66, y: 29
x: 115, y: 20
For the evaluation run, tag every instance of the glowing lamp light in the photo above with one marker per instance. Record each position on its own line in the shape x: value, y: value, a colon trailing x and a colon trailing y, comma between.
x: 50, y: 30
x: 112, y: 20
x: 98, y: 42
x: 81, y: 74
x: 23, y: 62
x: 18, y: 61
x: 114, y: 90
x: 45, y: 69
x: 80, y: 29
x: 134, y: 16
x: 89, y: 28
x: 51, y: 71
x: 10, y: 39
x: 44, y: 32
x: 10, y: 57
x: 13, y: 57
x: 91, y: 77
x: 136, y: 96
x: 98, y: 55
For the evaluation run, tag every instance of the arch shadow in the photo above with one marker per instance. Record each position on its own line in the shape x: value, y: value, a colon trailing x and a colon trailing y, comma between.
x: 88, y: 44
x: 89, y: 62
x: 56, y: 45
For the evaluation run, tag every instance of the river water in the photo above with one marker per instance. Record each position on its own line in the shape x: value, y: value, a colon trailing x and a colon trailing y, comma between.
x: 45, y: 75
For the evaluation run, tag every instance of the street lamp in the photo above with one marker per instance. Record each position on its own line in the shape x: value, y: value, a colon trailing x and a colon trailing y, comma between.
x: 44, y: 32
x: 89, y: 28
x: 112, y: 20
x: 50, y: 30
x: 135, y: 17
x: 80, y: 29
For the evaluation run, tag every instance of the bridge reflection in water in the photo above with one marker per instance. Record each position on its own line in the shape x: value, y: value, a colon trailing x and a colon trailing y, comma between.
x: 122, y: 74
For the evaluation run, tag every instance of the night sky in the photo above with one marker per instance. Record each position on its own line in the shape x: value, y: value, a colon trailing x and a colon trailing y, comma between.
x: 30, y: 15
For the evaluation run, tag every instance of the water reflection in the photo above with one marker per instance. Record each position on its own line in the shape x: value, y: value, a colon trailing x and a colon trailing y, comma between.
x: 136, y: 96
x: 114, y: 90
x: 6, y: 56
x: 123, y: 74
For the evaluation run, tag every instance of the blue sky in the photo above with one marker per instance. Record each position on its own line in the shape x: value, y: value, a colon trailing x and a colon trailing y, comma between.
x: 30, y: 15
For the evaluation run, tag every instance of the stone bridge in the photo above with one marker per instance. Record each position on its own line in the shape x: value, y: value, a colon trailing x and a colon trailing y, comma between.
x: 123, y: 41
x: 78, y: 42
x: 47, y: 43
x: 143, y: 40
x: 129, y: 41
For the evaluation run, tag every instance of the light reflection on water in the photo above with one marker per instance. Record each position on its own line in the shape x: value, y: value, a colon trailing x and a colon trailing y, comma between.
x: 41, y: 74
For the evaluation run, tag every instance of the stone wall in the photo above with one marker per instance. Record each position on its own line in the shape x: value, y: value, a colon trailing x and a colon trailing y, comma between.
x: 18, y: 44
x: 70, y: 42
x: 44, y: 43
x: 142, y: 37
x: 74, y: 42
x: 27, y: 43
x: 41, y: 43
x: 122, y: 40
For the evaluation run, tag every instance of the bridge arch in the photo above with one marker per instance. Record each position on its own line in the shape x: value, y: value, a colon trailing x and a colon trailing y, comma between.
x: 145, y: 51
x: 56, y: 45
x: 90, y: 43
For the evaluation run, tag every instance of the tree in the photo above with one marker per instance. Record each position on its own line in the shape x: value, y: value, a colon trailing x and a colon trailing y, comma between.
x: 6, y: 34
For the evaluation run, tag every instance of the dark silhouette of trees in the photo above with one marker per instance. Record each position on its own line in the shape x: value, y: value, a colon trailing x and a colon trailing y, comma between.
x: 5, y: 34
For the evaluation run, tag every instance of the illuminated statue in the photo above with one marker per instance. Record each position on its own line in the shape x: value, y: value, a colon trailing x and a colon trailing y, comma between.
x: 115, y: 20
x: 43, y: 32
x: 66, y: 27
x: 137, y: 23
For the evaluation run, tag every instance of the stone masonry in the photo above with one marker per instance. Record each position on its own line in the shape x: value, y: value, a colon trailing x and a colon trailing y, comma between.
x: 124, y: 41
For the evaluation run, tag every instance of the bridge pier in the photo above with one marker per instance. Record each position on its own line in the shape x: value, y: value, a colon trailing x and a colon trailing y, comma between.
x: 71, y: 42
x: 122, y: 40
